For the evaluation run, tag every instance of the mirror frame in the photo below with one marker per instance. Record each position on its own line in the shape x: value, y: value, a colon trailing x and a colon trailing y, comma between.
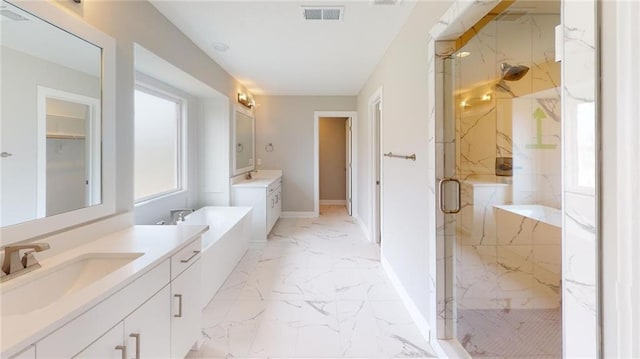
x: 249, y: 113
x: 57, y: 16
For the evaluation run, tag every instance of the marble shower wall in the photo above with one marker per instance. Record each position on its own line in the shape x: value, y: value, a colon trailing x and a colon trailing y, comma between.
x: 486, y: 118
x: 522, y: 122
x: 580, y: 230
x: 537, y: 149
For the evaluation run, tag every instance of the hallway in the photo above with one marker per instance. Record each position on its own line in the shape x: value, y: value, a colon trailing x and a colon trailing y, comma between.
x: 317, y: 289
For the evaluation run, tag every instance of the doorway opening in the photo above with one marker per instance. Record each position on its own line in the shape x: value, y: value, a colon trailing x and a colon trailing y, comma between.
x: 335, y: 148
x: 335, y: 160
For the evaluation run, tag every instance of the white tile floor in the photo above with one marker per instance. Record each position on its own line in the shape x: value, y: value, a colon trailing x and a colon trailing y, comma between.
x: 316, y: 290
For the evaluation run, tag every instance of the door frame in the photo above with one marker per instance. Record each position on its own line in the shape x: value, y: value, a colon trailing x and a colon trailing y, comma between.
x: 376, y: 163
x: 93, y: 145
x: 353, y: 116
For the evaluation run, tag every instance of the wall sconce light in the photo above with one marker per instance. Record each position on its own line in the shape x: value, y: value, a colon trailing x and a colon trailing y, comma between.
x: 246, y: 101
x: 474, y: 101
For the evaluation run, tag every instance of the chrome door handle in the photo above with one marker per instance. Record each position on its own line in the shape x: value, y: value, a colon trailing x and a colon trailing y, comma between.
x: 179, y: 296
x: 136, y: 336
x: 442, y: 206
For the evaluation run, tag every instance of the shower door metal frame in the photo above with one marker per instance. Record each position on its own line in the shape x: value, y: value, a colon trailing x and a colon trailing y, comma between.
x: 445, y: 162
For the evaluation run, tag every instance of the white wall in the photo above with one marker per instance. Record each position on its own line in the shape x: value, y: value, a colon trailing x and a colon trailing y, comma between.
x: 287, y: 122
x: 402, y: 73
x: 123, y: 21
x: 215, y: 141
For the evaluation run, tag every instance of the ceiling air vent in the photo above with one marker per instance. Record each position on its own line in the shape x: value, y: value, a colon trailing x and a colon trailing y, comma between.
x: 322, y: 12
x: 385, y: 2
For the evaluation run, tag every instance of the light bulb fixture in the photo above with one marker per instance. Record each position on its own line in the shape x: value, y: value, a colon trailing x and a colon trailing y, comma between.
x: 246, y: 101
x: 475, y: 101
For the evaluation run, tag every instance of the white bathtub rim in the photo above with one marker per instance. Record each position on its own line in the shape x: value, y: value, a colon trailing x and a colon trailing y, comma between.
x: 217, y: 231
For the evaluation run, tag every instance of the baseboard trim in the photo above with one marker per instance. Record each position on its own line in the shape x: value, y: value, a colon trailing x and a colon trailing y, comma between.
x: 364, y: 228
x: 421, y: 322
x: 333, y: 202
x: 298, y: 215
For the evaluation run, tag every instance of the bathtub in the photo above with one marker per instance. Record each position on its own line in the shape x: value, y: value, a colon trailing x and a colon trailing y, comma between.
x: 223, y: 245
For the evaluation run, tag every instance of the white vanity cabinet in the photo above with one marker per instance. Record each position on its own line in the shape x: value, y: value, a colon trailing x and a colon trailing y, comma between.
x: 156, y: 316
x: 264, y: 194
x: 109, y: 346
x: 186, y: 314
x: 147, y: 331
x: 90, y: 327
x: 274, y: 204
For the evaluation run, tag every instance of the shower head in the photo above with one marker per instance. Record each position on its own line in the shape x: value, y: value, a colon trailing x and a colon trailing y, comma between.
x: 513, y: 73
x: 502, y: 86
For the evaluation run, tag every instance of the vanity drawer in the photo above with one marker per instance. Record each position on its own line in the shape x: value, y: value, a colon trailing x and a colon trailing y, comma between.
x: 186, y: 257
x: 273, y: 187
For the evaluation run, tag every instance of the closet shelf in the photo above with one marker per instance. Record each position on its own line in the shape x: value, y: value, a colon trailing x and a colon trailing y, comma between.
x: 64, y: 136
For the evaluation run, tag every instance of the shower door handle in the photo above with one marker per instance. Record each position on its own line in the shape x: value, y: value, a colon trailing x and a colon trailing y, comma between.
x: 442, y: 200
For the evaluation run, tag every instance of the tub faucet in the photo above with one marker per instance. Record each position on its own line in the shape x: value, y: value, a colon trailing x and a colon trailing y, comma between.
x: 177, y: 215
x: 13, y: 264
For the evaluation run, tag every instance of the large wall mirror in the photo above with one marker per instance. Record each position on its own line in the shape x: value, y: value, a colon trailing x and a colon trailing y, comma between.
x: 243, y: 141
x: 56, y: 120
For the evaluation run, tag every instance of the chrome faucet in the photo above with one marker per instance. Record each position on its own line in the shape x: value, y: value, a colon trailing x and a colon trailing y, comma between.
x: 177, y: 215
x: 13, y: 265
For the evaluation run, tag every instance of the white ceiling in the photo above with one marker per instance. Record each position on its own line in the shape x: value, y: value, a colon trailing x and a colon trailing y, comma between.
x: 272, y: 50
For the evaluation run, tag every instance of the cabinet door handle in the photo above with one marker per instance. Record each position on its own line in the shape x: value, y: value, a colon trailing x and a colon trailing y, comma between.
x: 179, y: 296
x: 195, y: 253
x: 124, y: 350
x: 136, y: 336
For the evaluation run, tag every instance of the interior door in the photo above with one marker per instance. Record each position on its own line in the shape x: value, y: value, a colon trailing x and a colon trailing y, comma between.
x: 349, y: 167
x: 377, y: 171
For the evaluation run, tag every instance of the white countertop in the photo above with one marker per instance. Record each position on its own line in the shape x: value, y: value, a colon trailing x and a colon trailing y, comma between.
x: 157, y: 243
x: 256, y: 182
x: 261, y: 178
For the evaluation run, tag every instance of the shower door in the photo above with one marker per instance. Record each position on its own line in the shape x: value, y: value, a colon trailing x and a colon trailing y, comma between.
x: 498, y: 175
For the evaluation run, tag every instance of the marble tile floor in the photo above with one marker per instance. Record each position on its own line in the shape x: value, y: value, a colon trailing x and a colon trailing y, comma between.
x: 315, y: 290
x: 518, y: 333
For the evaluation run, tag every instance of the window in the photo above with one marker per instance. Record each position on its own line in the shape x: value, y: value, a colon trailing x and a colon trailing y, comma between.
x: 158, y: 146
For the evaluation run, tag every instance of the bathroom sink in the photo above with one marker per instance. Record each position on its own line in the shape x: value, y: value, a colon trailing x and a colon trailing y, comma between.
x: 45, y: 286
